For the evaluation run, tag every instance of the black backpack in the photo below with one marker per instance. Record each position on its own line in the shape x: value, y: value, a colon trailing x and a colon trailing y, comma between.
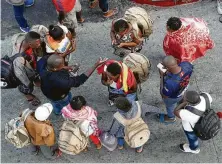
x: 208, y: 125
x: 8, y: 78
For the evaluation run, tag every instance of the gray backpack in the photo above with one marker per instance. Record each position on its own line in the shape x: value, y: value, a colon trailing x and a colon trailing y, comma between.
x: 15, y: 131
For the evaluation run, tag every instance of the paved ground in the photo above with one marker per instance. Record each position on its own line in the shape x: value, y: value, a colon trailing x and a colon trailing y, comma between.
x: 93, y: 42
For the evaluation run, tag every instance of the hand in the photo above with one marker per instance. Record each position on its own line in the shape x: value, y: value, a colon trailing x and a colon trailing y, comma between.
x: 114, y: 42
x: 121, y: 45
x: 109, y: 81
x: 161, y: 73
x: 100, y: 62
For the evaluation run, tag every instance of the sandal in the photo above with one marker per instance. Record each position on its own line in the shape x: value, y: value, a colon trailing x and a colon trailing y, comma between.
x: 35, y: 101
x: 37, y: 150
x: 139, y: 150
x: 161, y: 118
x: 93, y: 4
x: 110, y: 13
x: 81, y: 20
x: 57, y: 152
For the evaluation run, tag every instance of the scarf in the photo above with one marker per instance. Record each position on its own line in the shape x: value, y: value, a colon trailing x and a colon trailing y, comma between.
x: 86, y: 113
x: 190, y: 42
x: 126, y: 79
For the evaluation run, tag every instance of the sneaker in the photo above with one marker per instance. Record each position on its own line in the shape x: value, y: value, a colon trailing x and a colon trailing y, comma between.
x: 219, y: 6
x: 27, y: 29
x: 110, y: 103
x: 120, y: 147
x: 29, y: 3
x: 186, y: 148
x: 93, y: 4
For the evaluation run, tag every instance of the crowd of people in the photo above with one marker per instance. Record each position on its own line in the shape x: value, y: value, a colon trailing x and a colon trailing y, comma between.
x: 186, y: 40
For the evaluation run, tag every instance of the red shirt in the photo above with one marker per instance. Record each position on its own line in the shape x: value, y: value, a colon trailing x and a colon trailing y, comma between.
x: 64, y: 5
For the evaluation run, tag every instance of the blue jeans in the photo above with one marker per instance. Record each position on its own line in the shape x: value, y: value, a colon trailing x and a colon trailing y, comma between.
x: 18, y: 12
x: 103, y: 4
x: 131, y: 97
x: 59, y: 104
x: 120, y: 142
x: 193, y: 140
x: 171, y: 104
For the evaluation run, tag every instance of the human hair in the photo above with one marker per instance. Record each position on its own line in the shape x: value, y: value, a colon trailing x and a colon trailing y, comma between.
x: 123, y: 104
x: 120, y: 25
x: 56, y: 32
x: 32, y: 36
x: 54, y: 61
x: 61, y: 16
x: 114, y: 69
x: 174, y: 23
x: 192, y: 97
x: 77, y: 102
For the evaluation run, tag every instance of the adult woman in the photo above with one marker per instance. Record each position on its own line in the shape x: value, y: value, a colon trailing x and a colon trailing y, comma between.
x: 125, y: 39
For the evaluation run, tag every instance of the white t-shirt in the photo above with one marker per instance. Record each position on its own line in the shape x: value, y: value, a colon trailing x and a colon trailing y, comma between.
x: 189, y: 119
x: 63, y: 45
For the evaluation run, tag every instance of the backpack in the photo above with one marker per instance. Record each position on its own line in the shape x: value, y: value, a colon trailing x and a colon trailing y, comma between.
x: 139, y: 19
x: 136, y: 130
x: 18, y: 38
x: 139, y: 65
x: 71, y: 140
x: 15, y: 131
x: 8, y: 78
x: 208, y: 125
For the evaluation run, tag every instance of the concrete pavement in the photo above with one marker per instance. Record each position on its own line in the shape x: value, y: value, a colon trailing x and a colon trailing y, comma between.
x: 93, y: 42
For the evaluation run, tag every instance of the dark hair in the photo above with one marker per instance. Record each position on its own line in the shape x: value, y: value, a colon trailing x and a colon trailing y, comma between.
x: 192, y: 97
x: 114, y: 69
x: 120, y: 25
x: 61, y: 16
x: 56, y: 32
x: 32, y: 36
x: 123, y: 104
x: 174, y: 23
x: 77, y: 102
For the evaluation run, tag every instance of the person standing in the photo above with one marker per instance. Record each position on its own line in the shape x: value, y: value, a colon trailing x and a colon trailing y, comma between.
x: 72, y: 10
x: 25, y: 67
x: 119, y: 79
x: 187, y: 38
x: 189, y: 119
x: 41, y: 130
x: 18, y: 7
x: 56, y: 81
x: 173, y: 83
x: 104, y: 6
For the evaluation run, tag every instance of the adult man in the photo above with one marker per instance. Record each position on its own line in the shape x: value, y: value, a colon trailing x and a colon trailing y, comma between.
x: 173, y: 84
x: 124, y: 38
x: 18, y: 7
x: 119, y: 79
x: 56, y: 81
x: 187, y: 38
x: 189, y: 119
x: 24, y: 67
x: 104, y: 6
x: 40, y: 129
x: 72, y: 10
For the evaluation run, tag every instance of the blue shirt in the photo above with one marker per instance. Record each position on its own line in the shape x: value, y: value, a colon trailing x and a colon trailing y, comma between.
x: 175, y: 84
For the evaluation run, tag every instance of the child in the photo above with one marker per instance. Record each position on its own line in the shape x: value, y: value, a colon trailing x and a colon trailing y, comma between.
x: 85, y: 116
x: 128, y: 110
x: 60, y: 41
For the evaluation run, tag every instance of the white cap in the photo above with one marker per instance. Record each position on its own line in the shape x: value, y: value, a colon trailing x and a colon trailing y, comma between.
x: 43, y: 111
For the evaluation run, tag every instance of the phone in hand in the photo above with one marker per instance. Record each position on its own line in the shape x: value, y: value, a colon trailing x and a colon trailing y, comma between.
x: 161, y: 67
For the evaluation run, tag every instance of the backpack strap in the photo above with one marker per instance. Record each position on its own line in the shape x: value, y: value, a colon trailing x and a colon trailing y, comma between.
x: 26, y: 113
x: 124, y: 121
x: 194, y: 110
x: 207, y: 100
